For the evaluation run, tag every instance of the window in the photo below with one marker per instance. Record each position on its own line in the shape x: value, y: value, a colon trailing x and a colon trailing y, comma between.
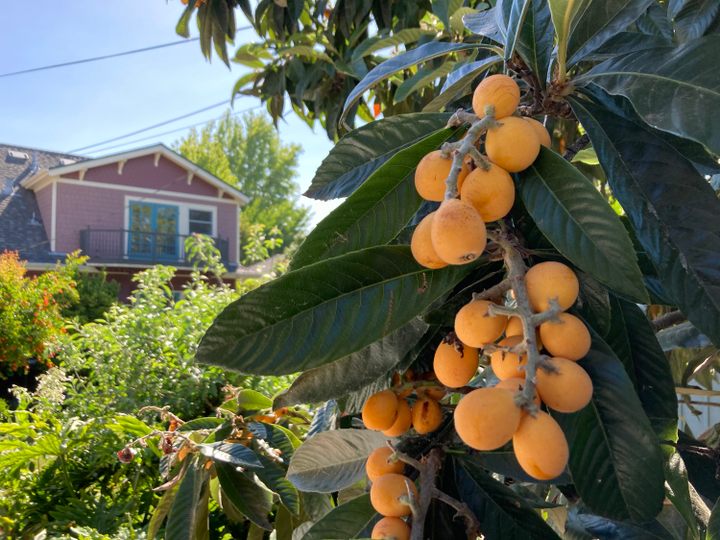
x: 200, y: 221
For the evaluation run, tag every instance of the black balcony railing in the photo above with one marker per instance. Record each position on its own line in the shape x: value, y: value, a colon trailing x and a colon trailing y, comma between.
x: 124, y: 246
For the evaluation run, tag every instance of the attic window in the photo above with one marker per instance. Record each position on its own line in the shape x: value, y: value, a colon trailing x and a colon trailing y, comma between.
x: 67, y: 161
x: 17, y: 157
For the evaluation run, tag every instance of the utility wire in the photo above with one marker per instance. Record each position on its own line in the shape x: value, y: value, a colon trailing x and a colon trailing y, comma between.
x: 159, y: 124
x: 155, y: 136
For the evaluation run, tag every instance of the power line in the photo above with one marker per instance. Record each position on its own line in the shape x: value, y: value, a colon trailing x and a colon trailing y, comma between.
x: 159, y: 124
x: 135, y: 141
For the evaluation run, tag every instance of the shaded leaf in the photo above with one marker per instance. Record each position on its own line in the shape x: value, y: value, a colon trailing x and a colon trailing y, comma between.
x: 420, y: 80
x: 713, y: 530
x: 694, y: 18
x: 363, y: 150
x: 564, y: 14
x: 572, y: 214
x: 343, y: 376
x: 161, y: 511
x: 627, y: 42
x: 484, y: 23
x: 458, y: 82
x: 272, y: 474
x: 672, y: 209
x: 536, y: 39
x: 183, y: 515
x: 350, y: 520
x: 505, y: 463
x: 333, y: 460
x: 253, y: 500
x: 677, y: 490
x: 655, y: 22
x: 511, y: 15
x: 324, y: 418
x: 277, y: 437
x: 376, y: 212
x: 325, y: 311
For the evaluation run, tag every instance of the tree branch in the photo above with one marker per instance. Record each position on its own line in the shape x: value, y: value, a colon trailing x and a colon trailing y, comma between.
x: 572, y: 150
x: 472, y: 525
x: 668, y: 320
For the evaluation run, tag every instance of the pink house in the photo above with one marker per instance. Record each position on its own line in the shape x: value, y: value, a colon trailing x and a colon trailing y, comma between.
x: 126, y: 211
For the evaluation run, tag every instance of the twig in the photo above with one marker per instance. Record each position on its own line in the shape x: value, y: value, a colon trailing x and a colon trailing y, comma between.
x: 668, y: 320
x: 572, y: 150
x: 472, y: 525
x: 493, y: 292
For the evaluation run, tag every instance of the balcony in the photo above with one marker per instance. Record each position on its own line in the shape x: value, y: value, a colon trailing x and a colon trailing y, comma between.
x: 127, y: 247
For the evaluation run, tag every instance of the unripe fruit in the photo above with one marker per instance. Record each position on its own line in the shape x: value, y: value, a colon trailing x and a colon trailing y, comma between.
x: 455, y: 365
x: 431, y: 173
x: 515, y: 328
x: 567, y: 389
x: 391, y: 528
x: 516, y: 385
x: 513, y: 145
x: 568, y: 337
x: 541, y: 132
x: 491, y: 192
x: 500, y: 91
x: 380, y: 410
x: 403, y: 421
x: 549, y: 280
x: 385, y: 494
x: 507, y: 365
x: 457, y: 232
x: 379, y: 463
x: 486, y: 418
x: 540, y: 446
x: 426, y: 415
x: 474, y: 327
x: 421, y: 244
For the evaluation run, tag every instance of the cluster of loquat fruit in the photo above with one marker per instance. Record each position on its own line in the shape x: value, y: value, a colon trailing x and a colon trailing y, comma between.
x: 485, y: 418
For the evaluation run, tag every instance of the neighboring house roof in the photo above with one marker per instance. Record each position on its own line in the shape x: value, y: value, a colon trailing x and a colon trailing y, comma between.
x: 21, y: 227
x: 62, y: 169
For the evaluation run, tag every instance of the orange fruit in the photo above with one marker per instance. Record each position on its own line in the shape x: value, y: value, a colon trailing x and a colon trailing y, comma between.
x: 426, y: 415
x: 431, y: 173
x: 455, y: 365
x: 508, y: 365
x: 500, y: 91
x: 568, y: 337
x: 421, y: 244
x: 540, y: 131
x: 486, y: 418
x: 513, y: 145
x: 457, y: 232
x: 540, y: 446
x: 380, y: 410
x: 549, y: 280
x: 403, y: 421
x: 515, y: 385
x: 379, y: 463
x: 567, y: 389
x: 475, y: 327
x: 491, y: 192
x: 386, y: 492
x: 391, y: 528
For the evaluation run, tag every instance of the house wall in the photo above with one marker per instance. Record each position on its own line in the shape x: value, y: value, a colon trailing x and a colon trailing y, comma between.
x: 80, y: 206
x: 44, y: 201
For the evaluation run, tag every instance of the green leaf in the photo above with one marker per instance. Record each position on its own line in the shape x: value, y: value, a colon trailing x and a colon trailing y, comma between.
x: 350, y: 520
x: 423, y: 53
x: 251, y: 400
x: 573, y: 215
x: 615, y: 457
x: 458, y: 82
x: 253, y: 500
x: 161, y: 511
x: 564, y: 14
x: 632, y: 339
x: 655, y: 22
x: 277, y: 437
x: 210, y: 422
x: 511, y: 16
x: 322, y: 312
x: 672, y: 209
x: 503, y: 515
x: 182, y: 27
x: 536, y: 39
x: 376, y: 212
x: 713, y: 530
x: 183, y: 516
x: 505, y: 463
x: 272, y: 475
x: 484, y: 23
x: 443, y: 9
x: 677, y: 489
x: 333, y: 460
x: 342, y: 376
x: 420, y: 80
x: 599, y: 22
x: 695, y: 17
x: 670, y: 88
x: 626, y: 42
x: 366, y: 148
x: 234, y: 453
x: 402, y: 37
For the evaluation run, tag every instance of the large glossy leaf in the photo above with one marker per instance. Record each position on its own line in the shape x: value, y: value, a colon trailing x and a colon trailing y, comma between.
x: 277, y: 437
x: 343, y: 376
x: 402, y: 61
x: 573, y: 215
x: 402, y: 37
x: 673, y: 210
x: 633, y: 340
x: 421, y: 79
x: 333, y: 460
x: 272, y: 475
x: 233, y: 453
x: 363, y: 150
x: 320, y: 313
x: 627, y: 42
x: 671, y: 88
x: 564, y: 14
x: 183, y: 516
x: 511, y: 15
x: 655, y: 22
x: 352, y: 519
x: 536, y: 40
x: 458, y: 82
x: 599, y: 22
x: 503, y: 515
x: 615, y: 457
x: 376, y: 212
x: 694, y: 18
x: 505, y: 463
x: 678, y: 491
x: 484, y: 23
x: 250, y: 498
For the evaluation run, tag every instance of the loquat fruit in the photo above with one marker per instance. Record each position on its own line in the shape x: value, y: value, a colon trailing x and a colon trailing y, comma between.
x: 508, y: 365
x: 568, y: 337
x: 457, y: 232
x: 455, y: 365
x: 540, y: 131
x: 515, y: 328
x: 391, y: 528
x: 568, y: 388
x: 421, y: 244
x: 513, y: 144
x: 426, y: 415
x: 540, y: 446
x: 491, y: 192
x: 431, y: 173
x: 379, y: 463
x: 486, y: 418
x: 475, y: 327
x: 403, y: 421
x: 386, y: 492
x: 380, y: 410
x: 548, y: 280
x: 500, y: 91
x: 516, y: 385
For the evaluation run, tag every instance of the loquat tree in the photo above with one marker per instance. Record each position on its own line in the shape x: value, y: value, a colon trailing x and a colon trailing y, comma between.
x: 476, y: 313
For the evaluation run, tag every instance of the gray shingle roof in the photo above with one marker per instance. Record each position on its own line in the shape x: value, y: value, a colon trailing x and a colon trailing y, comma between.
x: 21, y: 227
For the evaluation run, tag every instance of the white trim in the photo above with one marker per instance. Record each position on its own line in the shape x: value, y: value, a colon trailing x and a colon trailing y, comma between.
x: 81, y: 174
x: 141, y: 152
x: 53, y: 216
x: 161, y: 192
x: 121, y: 166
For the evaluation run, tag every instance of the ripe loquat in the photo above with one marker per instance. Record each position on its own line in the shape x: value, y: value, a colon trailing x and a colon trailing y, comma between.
x: 380, y: 410
x: 403, y: 421
x: 516, y: 385
x: 422, y: 247
x: 455, y: 365
x: 568, y: 337
x: 540, y: 446
x: 515, y: 328
x: 513, y: 144
x: 457, y: 232
x: 475, y: 327
x: 541, y: 132
x: 486, y: 418
x: 426, y: 415
x: 500, y: 91
x: 379, y: 463
x: 491, y: 192
x: 431, y: 173
x: 386, y: 492
x: 391, y: 528
x: 548, y: 280
x: 508, y: 365
x: 567, y: 388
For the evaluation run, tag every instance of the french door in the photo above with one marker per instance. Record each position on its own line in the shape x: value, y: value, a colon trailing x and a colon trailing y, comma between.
x: 153, y: 233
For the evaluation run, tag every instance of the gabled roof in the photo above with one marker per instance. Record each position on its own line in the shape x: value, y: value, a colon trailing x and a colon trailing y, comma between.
x: 63, y: 169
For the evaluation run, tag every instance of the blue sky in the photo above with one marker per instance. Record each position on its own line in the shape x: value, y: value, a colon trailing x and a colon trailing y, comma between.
x: 72, y: 107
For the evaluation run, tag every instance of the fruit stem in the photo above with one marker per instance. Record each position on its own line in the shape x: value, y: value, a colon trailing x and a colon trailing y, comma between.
x: 463, y: 147
x: 472, y: 525
x: 493, y: 292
